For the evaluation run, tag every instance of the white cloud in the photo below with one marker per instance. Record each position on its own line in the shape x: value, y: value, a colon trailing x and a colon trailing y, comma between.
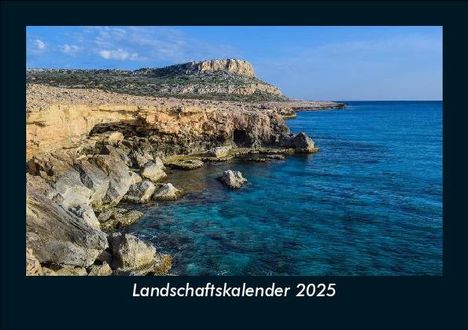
x: 70, y: 49
x: 118, y: 54
x: 40, y: 44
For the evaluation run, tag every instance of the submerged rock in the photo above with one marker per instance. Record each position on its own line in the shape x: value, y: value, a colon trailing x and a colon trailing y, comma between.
x: 167, y: 192
x: 275, y: 156
x: 233, y: 179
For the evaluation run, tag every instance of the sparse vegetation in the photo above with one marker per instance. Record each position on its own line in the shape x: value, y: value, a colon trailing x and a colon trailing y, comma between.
x: 161, y: 82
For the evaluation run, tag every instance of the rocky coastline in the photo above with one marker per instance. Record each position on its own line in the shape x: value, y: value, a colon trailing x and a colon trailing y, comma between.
x: 91, y: 154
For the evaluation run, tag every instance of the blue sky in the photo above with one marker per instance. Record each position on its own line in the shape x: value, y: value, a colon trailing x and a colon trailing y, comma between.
x: 320, y: 63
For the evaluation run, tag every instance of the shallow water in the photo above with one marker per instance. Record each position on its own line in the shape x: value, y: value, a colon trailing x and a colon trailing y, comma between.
x: 369, y: 203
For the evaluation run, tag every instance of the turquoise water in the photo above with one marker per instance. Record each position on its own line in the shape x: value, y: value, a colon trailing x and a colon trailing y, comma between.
x: 369, y: 203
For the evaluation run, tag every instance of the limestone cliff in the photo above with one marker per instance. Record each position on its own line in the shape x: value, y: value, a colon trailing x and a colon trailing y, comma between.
x: 230, y: 66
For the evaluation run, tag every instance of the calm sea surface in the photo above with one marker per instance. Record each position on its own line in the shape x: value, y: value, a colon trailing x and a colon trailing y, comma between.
x: 369, y: 203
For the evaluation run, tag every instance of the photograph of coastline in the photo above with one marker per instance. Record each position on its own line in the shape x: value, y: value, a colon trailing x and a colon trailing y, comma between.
x: 219, y: 150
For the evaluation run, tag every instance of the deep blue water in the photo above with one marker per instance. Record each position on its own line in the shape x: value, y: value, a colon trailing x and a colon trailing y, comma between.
x: 369, y: 203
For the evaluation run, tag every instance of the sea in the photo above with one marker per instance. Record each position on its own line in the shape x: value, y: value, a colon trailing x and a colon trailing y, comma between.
x: 369, y: 203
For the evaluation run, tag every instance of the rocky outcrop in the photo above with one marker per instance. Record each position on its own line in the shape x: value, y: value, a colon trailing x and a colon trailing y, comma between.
x: 56, y: 235
x: 302, y: 143
x: 233, y: 179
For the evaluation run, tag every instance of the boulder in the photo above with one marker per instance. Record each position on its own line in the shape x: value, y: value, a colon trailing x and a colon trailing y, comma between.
x: 55, y: 234
x: 115, y: 138
x: 140, y: 192
x: 131, y: 253
x: 302, y: 143
x: 220, y: 152
x: 100, y: 270
x: 233, y: 179
x: 134, y: 178
x: 153, y: 171
x: 118, y: 218
x: 167, y: 192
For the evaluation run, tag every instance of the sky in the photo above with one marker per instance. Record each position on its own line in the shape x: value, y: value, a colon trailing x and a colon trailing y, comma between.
x: 305, y: 62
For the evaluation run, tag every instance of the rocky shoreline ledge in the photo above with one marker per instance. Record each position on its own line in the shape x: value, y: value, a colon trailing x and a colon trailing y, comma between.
x: 91, y: 154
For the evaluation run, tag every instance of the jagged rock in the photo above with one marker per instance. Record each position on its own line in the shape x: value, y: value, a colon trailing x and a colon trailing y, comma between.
x: 185, y: 164
x: 167, y: 192
x: 141, y: 192
x: 130, y: 252
x: 118, y: 218
x: 115, y: 138
x: 140, y: 158
x: 302, y: 143
x: 233, y: 179
x: 135, y: 178
x: 94, y: 179
x: 220, y: 152
x: 153, y: 171
x: 118, y: 174
x: 100, y: 270
x: 74, y: 196
x: 55, y: 234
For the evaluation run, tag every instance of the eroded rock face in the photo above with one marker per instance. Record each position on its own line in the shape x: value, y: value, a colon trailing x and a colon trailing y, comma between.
x: 233, y: 179
x: 67, y: 117
x: 56, y: 235
x: 232, y: 66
